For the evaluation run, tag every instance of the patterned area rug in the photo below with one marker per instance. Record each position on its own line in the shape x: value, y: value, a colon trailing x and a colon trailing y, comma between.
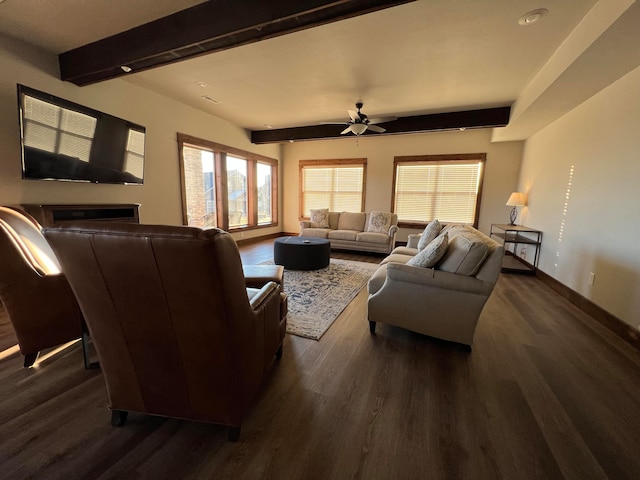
x: 317, y: 297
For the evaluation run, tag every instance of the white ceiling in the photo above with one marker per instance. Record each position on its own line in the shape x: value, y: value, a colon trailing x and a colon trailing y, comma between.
x: 424, y: 57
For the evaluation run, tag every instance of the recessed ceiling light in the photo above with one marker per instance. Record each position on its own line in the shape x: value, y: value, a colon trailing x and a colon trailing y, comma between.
x: 202, y: 84
x: 125, y: 68
x: 266, y: 125
x: 533, y: 16
x: 210, y: 99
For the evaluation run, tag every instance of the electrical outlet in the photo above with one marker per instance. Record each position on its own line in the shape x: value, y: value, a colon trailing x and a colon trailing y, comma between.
x: 592, y: 278
x: 523, y: 252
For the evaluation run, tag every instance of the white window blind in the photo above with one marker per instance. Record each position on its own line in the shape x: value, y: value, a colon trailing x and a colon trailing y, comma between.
x: 338, y: 188
x: 444, y: 190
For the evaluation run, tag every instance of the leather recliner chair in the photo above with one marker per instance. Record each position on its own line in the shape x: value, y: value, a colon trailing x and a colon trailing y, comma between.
x: 35, y: 293
x: 177, y: 332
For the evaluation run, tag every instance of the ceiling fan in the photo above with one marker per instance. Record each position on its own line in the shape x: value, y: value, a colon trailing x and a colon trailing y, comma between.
x: 359, y: 122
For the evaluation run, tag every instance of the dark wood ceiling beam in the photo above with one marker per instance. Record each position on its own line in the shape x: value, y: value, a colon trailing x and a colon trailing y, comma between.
x: 205, y: 28
x: 483, y: 118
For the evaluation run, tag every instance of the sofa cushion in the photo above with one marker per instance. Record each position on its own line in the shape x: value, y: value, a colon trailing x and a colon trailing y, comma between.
x: 319, y: 218
x: 431, y: 231
x: 314, y: 232
x: 396, y: 258
x: 379, y: 222
x: 465, y: 254
x: 334, y: 218
x: 352, y: 221
x: 429, y: 255
x: 405, y: 251
x: 343, y: 235
x: 371, y: 237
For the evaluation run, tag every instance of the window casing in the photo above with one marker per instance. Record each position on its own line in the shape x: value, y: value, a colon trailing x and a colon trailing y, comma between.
x: 226, y: 187
x: 338, y: 185
x: 443, y: 187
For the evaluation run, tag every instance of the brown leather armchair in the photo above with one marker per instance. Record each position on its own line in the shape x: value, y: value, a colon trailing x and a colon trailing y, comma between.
x: 36, y: 295
x: 177, y: 332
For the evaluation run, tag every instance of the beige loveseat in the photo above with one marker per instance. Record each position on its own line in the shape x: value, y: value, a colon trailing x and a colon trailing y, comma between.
x: 444, y: 301
x: 355, y: 230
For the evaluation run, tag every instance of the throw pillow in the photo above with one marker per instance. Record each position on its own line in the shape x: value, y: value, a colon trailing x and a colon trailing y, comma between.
x: 319, y: 218
x: 465, y: 255
x: 429, y: 256
x: 379, y: 222
x: 431, y: 231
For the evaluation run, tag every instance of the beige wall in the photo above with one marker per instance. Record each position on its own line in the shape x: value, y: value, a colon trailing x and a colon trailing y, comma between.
x: 591, y: 217
x: 160, y: 196
x: 501, y: 174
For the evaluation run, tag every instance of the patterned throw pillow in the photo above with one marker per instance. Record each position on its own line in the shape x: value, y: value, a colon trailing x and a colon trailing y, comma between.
x: 431, y: 231
x: 319, y: 218
x: 429, y: 256
x: 379, y: 222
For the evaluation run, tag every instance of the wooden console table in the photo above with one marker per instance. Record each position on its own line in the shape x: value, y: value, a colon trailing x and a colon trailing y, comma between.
x: 48, y: 215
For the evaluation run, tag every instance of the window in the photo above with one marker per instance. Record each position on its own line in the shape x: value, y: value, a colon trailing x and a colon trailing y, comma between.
x: 443, y: 187
x: 226, y: 187
x: 338, y: 185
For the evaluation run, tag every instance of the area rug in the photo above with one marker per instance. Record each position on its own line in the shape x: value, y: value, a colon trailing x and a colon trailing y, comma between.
x: 317, y: 297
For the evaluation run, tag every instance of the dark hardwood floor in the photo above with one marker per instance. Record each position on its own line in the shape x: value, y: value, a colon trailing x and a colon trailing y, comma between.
x: 547, y: 393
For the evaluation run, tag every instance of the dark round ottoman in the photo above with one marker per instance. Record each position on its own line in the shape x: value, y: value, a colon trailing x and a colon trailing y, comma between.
x: 301, y: 253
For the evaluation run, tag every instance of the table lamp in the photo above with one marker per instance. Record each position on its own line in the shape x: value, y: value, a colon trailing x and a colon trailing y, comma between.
x: 517, y: 199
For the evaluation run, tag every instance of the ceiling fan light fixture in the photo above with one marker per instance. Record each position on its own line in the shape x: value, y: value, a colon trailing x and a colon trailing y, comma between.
x: 358, y: 128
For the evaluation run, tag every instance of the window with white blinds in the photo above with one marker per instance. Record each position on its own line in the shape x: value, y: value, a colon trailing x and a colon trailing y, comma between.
x: 443, y: 187
x: 334, y: 184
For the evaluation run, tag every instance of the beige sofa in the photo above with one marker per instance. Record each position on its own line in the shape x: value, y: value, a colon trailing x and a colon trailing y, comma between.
x: 444, y: 301
x: 355, y: 231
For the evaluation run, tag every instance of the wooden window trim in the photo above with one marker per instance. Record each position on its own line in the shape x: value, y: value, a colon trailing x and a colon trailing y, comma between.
x: 220, y: 152
x: 430, y: 159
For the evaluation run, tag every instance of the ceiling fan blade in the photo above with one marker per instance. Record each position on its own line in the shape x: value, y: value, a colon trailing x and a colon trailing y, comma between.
x: 382, y: 119
x: 354, y: 115
x: 346, y: 130
x: 376, y: 128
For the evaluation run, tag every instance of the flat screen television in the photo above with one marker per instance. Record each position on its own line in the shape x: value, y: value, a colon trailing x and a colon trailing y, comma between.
x: 62, y: 140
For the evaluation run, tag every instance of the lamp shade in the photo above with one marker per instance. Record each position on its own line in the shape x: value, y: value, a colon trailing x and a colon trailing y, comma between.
x: 517, y: 199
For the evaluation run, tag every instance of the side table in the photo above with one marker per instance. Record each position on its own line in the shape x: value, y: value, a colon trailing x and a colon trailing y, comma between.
x: 515, y: 235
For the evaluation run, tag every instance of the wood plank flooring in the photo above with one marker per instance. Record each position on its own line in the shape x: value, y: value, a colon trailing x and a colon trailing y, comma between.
x: 547, y: 393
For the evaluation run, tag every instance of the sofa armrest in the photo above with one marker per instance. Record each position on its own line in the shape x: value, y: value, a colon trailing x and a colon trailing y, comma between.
x: 305, y: 224
x: 413, y: 239
x: 393, y: 229
x: 429, y: 277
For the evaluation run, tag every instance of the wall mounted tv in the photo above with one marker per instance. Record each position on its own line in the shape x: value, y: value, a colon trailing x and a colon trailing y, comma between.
x: 62, y: 140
